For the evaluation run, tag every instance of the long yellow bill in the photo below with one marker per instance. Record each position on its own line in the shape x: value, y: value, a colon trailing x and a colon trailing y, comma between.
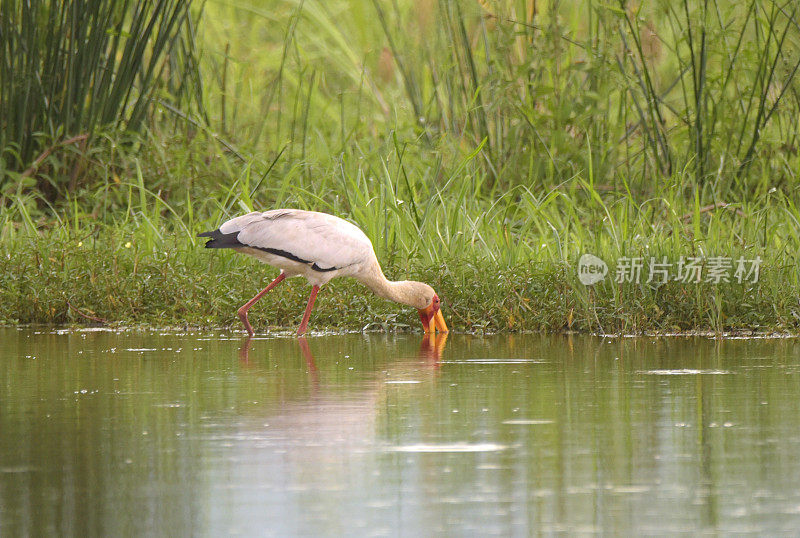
x: 436, y: 322
x: 438, y: 319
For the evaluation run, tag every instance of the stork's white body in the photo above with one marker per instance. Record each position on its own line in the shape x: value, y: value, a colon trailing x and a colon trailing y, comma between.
x: 327, y: 245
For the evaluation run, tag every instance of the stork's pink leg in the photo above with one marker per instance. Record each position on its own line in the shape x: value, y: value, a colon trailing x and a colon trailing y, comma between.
x: 311, y: 298
x: 243, y: 310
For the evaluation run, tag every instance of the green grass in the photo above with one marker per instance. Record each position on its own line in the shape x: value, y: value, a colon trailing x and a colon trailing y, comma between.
x: 483, y: 149
x: 505, y: 265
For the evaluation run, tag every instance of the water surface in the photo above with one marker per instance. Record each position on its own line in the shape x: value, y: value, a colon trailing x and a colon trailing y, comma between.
x: 106, y: 433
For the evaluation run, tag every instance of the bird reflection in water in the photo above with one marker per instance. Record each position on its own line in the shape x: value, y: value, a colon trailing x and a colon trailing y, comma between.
x: 430, y: 351
x: 432, y: 347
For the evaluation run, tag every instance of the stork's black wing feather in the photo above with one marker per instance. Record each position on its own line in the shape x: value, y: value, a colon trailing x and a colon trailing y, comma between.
x: 221, y: 240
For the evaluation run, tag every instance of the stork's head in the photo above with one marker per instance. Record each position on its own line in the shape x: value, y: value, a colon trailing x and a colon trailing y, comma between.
x: 431, y: 316
x: 420, y: 296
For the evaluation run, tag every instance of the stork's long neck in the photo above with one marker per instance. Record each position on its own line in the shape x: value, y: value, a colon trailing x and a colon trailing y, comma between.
x: 400, y: 292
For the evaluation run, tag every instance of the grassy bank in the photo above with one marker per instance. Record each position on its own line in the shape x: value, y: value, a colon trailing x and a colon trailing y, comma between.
x: 506, y: 265
x: 483, y: 147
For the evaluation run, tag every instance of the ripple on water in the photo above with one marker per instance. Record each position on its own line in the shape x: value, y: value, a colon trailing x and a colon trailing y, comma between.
x: 402, y: 382
x: 451, y: 447
x: 527, y: 422
x: 494, y: 361
x: 684, y: 371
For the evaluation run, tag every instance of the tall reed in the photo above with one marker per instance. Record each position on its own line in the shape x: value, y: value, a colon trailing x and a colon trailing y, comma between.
x: 72, y: 69
x: 548, y: 89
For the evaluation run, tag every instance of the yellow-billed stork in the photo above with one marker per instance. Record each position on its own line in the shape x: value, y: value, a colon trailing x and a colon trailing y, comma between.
x: 319, y: 247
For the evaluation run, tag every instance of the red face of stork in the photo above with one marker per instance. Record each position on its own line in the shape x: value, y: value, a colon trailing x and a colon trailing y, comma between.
x: 431, y: 317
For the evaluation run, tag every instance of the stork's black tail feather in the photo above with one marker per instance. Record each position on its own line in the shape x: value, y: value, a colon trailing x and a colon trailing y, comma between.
x: 221, y: 240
